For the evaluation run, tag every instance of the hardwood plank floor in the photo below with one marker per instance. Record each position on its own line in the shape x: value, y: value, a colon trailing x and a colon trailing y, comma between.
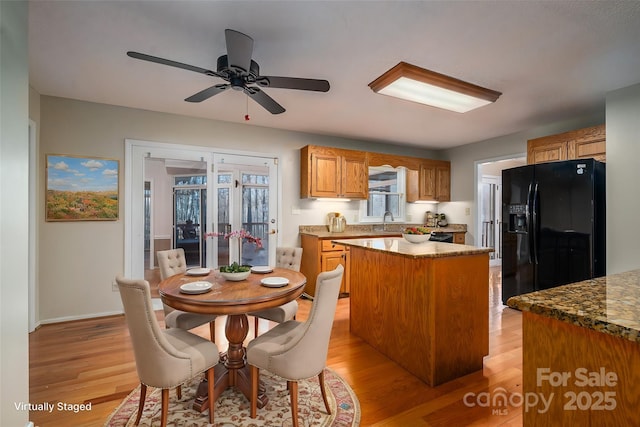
x: 92, y: 361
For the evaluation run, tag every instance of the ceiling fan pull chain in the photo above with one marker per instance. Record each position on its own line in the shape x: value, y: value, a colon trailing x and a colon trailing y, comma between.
x: 246, y: 116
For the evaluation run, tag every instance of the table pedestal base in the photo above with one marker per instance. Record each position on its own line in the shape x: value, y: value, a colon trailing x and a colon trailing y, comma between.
x: 224, y: 378
x: 232, y: 371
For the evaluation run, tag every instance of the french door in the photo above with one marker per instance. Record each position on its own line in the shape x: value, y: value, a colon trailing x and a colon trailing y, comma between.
x: 175, y: 194
x: 244, y: 201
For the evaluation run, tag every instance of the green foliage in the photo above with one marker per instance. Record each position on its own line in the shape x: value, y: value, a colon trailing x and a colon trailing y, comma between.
x: 79, y: 205
x: 234, y: 268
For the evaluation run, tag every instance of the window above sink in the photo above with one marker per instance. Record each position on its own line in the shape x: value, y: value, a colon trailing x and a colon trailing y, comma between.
x: 386, y: 194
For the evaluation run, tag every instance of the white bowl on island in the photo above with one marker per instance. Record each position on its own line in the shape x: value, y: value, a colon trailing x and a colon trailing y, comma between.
x: 416, y: 238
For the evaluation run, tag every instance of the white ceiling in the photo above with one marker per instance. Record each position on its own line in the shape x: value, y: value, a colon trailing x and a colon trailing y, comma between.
x: 552, y: 60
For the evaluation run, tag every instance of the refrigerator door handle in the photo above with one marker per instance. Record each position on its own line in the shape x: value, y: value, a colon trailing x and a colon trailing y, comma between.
x: 535, y: 223
x: 529, y: 226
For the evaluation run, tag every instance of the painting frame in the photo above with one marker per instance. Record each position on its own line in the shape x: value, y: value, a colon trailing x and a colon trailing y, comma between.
x: 81, y: 188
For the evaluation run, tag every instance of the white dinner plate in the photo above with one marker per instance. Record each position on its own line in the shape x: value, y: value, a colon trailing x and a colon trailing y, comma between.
x: 198, y: 271
x: 195, y: 287
x: 274, y: 282
x: 261, y: 269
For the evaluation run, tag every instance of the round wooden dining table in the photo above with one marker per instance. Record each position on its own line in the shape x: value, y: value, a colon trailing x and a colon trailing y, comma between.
x: 234, y: 299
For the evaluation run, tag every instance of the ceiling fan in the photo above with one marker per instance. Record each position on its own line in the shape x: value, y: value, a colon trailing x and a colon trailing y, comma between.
x: 241, y: 73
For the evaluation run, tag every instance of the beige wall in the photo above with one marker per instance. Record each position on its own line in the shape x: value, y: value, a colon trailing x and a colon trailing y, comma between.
x: 14, y: 213
x: 623, y: 176
x: 78, y: 260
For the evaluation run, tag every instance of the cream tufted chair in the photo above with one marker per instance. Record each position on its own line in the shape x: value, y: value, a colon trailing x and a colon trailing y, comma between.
x: 285, y: 258
x: 294, y: 350
x: 164, y: 358
x: 173, y: 262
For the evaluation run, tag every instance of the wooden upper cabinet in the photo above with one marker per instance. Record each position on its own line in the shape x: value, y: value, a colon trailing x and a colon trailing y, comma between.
x: 355, y: 175
x: 546, y: 151
x: 332, y: 172
x: 577, y: 144
x: 434, y: 181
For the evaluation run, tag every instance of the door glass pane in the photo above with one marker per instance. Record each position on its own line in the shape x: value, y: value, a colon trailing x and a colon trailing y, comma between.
x: 224, y: 224
x: 147, y: 223
x: 188, y: 211
x: 255, y: 217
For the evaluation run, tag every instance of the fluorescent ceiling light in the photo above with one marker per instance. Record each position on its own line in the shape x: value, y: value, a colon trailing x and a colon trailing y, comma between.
x: 416, y: 84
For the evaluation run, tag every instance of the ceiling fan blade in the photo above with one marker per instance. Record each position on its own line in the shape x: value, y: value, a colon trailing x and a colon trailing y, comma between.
x: 145, y: 57
x: 294, y: 83
x: 207, y: 93
x: 239, y: 50
x: 265, y: 100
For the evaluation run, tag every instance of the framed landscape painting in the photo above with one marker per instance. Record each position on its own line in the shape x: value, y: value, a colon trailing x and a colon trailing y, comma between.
x: 81, y: 188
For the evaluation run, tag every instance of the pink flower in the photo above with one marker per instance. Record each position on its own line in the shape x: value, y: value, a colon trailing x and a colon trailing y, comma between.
x: 238, y: 234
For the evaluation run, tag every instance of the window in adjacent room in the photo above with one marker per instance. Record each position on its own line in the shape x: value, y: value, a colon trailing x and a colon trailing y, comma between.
x: 386, y: 193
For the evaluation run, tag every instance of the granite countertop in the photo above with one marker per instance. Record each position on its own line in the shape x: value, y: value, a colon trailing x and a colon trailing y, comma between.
x: 609, y: 304
x: 427, y: 249
x: 372, y: 230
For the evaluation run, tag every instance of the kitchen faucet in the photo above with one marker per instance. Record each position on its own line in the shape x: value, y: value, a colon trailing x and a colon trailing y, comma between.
x: 384, y: 220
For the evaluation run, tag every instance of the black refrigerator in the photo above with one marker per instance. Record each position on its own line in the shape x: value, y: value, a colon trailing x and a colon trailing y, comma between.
x: 553, y: 225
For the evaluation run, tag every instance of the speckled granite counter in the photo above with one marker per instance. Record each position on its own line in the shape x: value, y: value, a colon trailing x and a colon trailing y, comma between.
x: 428, y: 249
x: 373, y: 230
x: 609, y: 304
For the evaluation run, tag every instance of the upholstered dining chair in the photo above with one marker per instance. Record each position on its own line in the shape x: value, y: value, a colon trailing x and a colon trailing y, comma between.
x: 294, y: 350
x: 171, y: 262
x: 285, y: 258
x: 164, y: 358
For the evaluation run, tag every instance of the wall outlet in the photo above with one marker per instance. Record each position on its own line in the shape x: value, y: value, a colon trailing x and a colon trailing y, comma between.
x: 467, y: 211
x: 114, y: 286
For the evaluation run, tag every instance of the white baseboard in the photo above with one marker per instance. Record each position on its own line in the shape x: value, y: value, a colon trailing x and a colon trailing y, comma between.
x: 79, y: 317
x: 157, y: 305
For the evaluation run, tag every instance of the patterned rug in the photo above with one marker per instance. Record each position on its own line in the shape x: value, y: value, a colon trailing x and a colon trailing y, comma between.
x: 232, y: 408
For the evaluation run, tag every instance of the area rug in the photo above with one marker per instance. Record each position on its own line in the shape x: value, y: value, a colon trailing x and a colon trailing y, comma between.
x: 232, y: 408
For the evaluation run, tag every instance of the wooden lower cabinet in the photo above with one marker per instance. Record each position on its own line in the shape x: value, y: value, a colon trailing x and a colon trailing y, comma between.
x: 429, y: 315
x: 320, y: 255
x: 459, y: 238
x: 555, y: 349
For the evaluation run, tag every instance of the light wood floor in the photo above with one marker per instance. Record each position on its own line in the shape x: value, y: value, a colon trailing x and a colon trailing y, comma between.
x: 92, y: 361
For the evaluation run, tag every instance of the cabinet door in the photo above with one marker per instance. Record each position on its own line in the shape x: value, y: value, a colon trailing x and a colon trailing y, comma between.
x: 355, y: 176
x: 330, y: 260
x: 443, y: 183
x: 589, y: 143
x: 325, y: 179
x: 541, y: 152
x: 427, y: 182
x: 588, y: 149
x: 458, y: 238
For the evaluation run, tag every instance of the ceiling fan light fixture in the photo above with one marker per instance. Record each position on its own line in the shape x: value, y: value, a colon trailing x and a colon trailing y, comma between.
x: 427, y: 87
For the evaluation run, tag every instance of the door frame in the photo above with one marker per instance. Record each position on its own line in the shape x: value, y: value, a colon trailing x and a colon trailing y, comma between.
x: 135, y: 153
x: 477, y: 182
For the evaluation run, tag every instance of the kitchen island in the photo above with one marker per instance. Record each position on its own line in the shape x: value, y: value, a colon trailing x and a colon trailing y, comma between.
x: 425, y: 306
x: 581, y: 352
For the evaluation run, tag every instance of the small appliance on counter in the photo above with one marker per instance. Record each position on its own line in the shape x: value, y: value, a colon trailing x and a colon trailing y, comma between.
x: 431, y: 219
x: 442, y: 220
x: 336, y: 222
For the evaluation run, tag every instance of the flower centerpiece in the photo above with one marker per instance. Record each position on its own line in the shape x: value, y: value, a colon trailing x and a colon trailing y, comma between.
x: 237, y: 271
